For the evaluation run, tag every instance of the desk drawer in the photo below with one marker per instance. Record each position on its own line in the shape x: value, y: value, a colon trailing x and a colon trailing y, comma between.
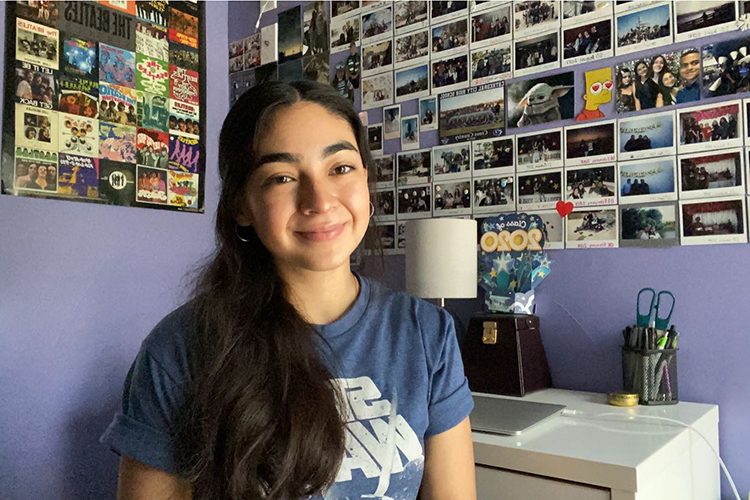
x: 502, y: 484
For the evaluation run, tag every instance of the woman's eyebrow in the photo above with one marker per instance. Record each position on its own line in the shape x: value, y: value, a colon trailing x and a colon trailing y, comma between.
x: 292, y: 158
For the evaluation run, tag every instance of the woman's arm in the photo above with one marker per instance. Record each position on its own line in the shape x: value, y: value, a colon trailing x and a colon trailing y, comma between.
x: 449, y: 465
x: 138, y: 481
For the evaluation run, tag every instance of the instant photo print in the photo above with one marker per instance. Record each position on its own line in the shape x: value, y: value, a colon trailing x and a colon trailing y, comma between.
x: 452, y: 161
x: 591, y: 186
x: 646, y: 136
x: 710, y: 127
x: 412, y: 49
x: 414, y: 167
x: 577, y: 11
x: 492, y: 64
x: 658, y: 81
x: 428, y: 116
x: 385, y: 239
x: 392, y: 122
x: 450, y: 38
x: 415, y: 202
x: 344, y: 32
x: 694, y: 19
x: 553, y: 229
x: 537, y: 53
x: 647, y: 181
x: 385, y: 206
x: 587, y: 42
x: 590, y: 144
x: 377, y: 58
x: 533, y: 17
x: 713, y: 221
x: 452, y: 198
x: 375, y: 138
x: 412, y: 82
x: 649, y: 226
x: 410, y: 132
x: 494, y: 194
x: 644, y: 28
x: 726, y: 67
x: 450, y: 73
x: 492, y: 157
x: 539, y: 190
x: 384, y: 166
x: 491, y: 27
x: 471, y: 114
x: 377, y: 25
x: 539, y: 150
x: 587, y: 228
x: 712, y: 174
x: 410, y: 16
x: 377, y: 90
x: 445, y: 11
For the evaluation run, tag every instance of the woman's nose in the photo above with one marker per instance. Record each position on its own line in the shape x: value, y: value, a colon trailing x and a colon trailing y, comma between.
x: 316, y: 196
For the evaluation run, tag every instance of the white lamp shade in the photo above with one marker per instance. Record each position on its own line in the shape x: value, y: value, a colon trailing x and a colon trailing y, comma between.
x: 441, y: 258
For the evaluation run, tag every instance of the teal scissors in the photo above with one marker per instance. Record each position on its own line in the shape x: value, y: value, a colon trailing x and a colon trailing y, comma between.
x: 653, y: 317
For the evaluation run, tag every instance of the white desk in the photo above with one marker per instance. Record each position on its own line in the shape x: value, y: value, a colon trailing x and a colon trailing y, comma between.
x: 597, y: 458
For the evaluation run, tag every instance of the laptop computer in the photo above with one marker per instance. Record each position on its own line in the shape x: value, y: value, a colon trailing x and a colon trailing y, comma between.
x: 509, y: 416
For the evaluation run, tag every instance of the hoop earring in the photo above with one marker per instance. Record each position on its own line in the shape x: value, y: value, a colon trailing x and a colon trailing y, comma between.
x: 237, y: 232
x: 372, y: 209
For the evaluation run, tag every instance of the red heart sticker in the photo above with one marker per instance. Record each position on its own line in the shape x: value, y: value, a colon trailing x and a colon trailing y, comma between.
x: 595, y: 87
x: 564, y: 208
x: 608, y: 85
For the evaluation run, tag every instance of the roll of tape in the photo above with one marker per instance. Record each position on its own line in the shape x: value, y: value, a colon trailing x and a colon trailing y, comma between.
x: 621, y: 398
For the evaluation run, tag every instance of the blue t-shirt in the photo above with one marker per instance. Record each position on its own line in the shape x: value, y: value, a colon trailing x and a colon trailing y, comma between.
x: 401, y: 371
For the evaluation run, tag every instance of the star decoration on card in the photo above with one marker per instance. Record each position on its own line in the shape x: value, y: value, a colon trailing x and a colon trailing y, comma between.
x: 544, y: 178
x: 542, y: 274
x: 556, y: 186
x: 528, y: 182
x: 493, y: 273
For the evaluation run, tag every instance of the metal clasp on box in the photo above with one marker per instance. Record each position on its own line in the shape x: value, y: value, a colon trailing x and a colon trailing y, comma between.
x: 489, y: 332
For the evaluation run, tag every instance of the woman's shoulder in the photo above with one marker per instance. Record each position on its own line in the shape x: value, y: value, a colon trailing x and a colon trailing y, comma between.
x: 167, y: 343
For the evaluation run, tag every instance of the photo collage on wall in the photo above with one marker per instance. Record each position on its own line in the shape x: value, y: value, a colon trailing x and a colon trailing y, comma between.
x: 103, y: 103
x: 631, y: 114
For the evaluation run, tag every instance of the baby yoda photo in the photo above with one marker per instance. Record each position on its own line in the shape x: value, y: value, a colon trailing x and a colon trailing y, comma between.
x: 542, y: 100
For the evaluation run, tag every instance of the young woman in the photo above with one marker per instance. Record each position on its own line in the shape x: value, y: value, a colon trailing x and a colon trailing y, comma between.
x: 658, y: 65
x: 667, y: 90
x: 626, y: 96
x: 287, y: 375
x: 645, y: 88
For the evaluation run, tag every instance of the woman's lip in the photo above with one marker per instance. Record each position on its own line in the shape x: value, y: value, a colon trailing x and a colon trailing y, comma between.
x: 322, y: 234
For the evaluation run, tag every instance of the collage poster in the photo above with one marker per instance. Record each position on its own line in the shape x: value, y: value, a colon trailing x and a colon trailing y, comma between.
x: 103, y: 103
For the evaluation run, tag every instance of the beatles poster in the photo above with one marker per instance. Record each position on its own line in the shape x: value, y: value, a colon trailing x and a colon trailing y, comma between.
x: 102, y: 102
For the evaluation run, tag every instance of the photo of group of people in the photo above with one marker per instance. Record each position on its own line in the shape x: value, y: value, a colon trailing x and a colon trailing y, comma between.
x: 663, y: 80
x: 726, y: 67
x: 450, y: 38
x: 414, y: 167
x: 384, y: 168
x: 452, y: 198
x: 648, y: 180
x: 713, y: 221
x: 492, y: 156
x: 649, y: 225
x: 35, y: 86
x: 414, y: 203
x: 591, y: 186
x: 704, y: 175
x: 490, y: 27
x: 377, y: 58
x: 450, y: 73
x: 719, y: 125
x: 494, y: 194
x: 492, y: 64
x: 412, y: 48
x: 531, y: 17
x: 36, y: 174
x: 539, y: 150
x: 539, y: 191
x: 475, y: 113
x: 587, y: 42
x: 647, y: 136
x: 451, y: 161
x: 588, y: 144
x: 377, y: 25
x: 592, y: 229
x: 537, y: 52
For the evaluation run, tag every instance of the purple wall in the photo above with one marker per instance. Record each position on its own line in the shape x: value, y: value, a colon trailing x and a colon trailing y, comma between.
x: 80, y: 287
x: 590, y: 297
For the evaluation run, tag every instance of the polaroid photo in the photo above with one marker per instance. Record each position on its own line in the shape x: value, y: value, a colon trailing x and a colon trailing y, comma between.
x: 539, y: 150
x: 647, y: 181
x: 450, y: 74
x: 490, y: 27
x: 377, y: 58
x: 712, y: 174
x: 409, y: 132
x: 590, y: 144
x: 415, y: 202
x: 492, y: 64
x: 713, y: 221
x: 375, y: 138
x: 412, y: 48
x: 710, y: 127
x: 745, y: 119
x: 392, y: 122
x: 482, y: 5
x: 414, y: 167
x: 539, y: 190
x: 428, y: 116
x: 703, y: 18
x: 385, y: 205
x: 534, y: 17
x: 269, y: 36
x: 450, y: 38
x: 587, y: 42
x: 536, y: 54
x: 345, y: 8
x: 385, y: 239
x: 452, y: 161
x: 626, y: 5
x: 591, y: 186
x: 377, y: 90
x: 654, y: 82
x: 410, y: 16
x: 369, y: 5
x: 452, y: 197
x: 492, y: 156
x: 578, y: 11
x: 725, y: 67
x: 494, y: 194
x: 646, y: 136
x: 588, y: 228
x: 473, y: 113
x: 290, y: 34
x: 649, y: 226
x: 344, y: 32
x: 444, y: 11
x: 384, y: 167
x: 644, y: 29
x: 412, y: 82
x: 553, y: 229
x: 377, y: 25
x: 530, y: 103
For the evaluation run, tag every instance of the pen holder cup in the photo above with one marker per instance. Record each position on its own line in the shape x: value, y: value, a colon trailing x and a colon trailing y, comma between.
x: 650, y: 373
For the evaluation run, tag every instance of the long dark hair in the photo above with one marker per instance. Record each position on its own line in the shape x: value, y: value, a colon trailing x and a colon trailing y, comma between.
x: 262, y: 417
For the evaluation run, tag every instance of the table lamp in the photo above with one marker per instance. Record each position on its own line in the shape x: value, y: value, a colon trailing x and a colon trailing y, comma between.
x: 441, y: 259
